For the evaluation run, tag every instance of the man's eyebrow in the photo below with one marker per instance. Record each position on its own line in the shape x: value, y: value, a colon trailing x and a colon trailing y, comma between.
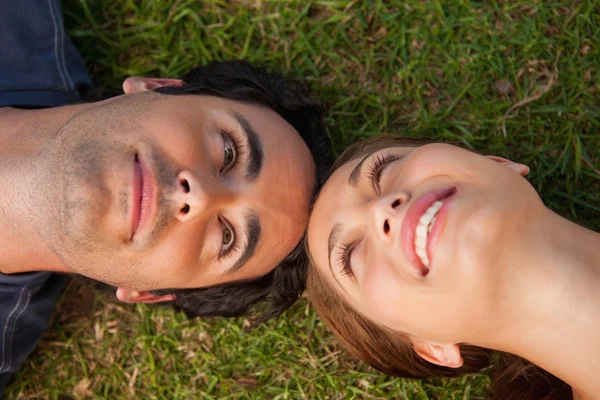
x: 355, y: 174
x: 334, y: 235
x: 253, y: 231
x: 256, y: 154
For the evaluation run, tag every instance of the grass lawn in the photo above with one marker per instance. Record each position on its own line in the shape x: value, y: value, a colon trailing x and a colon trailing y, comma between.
x: 518, y: 79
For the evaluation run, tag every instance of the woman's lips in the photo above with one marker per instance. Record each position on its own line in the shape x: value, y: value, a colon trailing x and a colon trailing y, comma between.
x: 438, y: 226
x: 143, y: 196
x: 411, y: 221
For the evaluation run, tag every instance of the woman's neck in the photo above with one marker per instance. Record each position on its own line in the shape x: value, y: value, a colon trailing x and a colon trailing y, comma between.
x: 551, y: 315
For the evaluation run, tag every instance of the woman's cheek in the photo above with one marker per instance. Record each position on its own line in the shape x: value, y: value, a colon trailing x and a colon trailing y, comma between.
x: 437, y: 160
x: 383, y: 292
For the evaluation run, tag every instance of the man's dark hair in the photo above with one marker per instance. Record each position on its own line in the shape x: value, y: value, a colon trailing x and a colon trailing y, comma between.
x: 270, y: 295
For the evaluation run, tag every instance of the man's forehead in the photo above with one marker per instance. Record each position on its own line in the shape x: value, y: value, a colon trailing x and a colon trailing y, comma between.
x: 282, y: 230
x: 219, y: 102
x: 282, y: 193
x: 283, y: 207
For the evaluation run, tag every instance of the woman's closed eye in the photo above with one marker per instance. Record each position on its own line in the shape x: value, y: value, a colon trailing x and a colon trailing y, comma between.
x: 374, y: 170
x: 376, y: 167
x: 344, y: 257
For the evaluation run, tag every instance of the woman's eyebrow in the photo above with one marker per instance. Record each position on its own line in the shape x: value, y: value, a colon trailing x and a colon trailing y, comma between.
x: 334, y: 236
x: 355, y: 174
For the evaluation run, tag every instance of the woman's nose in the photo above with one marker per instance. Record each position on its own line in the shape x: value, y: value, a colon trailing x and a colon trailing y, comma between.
x: 385, y: 219
x: 196, y: 195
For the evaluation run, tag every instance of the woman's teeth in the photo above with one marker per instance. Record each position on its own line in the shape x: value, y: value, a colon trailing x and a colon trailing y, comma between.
x: 423, y: 229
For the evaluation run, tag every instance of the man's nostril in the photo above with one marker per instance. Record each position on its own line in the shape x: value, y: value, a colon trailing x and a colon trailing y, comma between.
x: 396, y: 203
x: 185, y: 209
x: 186, y: 185
x: 386, y: 227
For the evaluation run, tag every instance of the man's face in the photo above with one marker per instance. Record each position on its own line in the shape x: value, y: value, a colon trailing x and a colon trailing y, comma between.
x: 155, y: 191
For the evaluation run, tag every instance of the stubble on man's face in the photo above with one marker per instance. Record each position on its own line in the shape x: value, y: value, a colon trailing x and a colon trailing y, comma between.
x: 92, y: 180
x: 95, y: 161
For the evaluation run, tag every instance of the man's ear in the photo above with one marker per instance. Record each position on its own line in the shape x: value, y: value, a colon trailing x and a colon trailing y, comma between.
x: 135, y: 84
x: 443, y: 354
x: 134, y: 296
x: 520, y: 169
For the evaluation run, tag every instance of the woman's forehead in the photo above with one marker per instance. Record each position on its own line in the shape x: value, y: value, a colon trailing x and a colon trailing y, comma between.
x: 331, y: 197
x: 334, y: 201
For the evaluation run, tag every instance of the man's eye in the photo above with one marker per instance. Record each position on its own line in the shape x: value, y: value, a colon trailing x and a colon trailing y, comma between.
x: 230, y: 151
x: 228, y: 157
x: 227, y: 237
x: 228, y: 240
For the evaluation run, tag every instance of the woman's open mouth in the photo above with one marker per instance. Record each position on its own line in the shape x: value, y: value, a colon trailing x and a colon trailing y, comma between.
x: 420, y: 229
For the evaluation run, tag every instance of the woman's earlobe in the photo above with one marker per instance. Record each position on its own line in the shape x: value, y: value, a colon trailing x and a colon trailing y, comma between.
x: 442, y: 354
x: 520, y: 169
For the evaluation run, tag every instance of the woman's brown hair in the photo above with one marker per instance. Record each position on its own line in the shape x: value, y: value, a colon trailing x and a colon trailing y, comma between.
x: 392, y: 352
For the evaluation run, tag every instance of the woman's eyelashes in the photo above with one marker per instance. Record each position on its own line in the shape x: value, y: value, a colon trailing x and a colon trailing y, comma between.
x: 376, y: 167
x: 374, y: 170
x: 344, y: 257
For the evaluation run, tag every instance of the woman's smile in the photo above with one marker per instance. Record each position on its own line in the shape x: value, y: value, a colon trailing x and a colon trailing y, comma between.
x: 421, y: 227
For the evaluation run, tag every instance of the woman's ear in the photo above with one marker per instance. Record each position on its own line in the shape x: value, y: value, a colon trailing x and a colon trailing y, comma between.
x: 135, y: 84
x: 520, y: 169
x: 443, y: 354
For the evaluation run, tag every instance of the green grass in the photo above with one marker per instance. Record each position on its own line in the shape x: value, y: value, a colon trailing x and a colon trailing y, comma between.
x: 440, y: 69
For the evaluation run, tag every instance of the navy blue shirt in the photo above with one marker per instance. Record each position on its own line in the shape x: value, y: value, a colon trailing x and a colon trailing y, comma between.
x: 39, y: 68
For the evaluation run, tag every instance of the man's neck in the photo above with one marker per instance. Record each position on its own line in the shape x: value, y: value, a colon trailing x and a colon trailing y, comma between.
x: 551, y: 312
x: 25, y: 136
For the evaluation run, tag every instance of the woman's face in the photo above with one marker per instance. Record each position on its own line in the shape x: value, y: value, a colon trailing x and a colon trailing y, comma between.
x: 411, y: 237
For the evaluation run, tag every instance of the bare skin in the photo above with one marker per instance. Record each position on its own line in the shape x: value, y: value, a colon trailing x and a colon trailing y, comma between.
x: 551, y: 315
x: 505, y: 272
x: 23, y: 250
x: 70, y: 201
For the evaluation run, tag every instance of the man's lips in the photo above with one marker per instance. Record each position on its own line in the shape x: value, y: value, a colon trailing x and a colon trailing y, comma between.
x: 411, y: 220
x: 144, y: 193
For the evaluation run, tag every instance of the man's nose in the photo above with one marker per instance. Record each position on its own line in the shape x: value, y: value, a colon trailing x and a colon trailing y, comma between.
x: 199, y: 194
x: 385, y: 221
